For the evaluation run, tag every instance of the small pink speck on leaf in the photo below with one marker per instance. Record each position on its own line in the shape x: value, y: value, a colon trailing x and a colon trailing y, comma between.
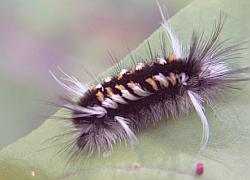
x: 199, y: 169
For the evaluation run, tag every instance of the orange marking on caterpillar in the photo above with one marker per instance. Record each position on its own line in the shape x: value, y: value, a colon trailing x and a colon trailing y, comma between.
x: 132, y: 71
x: 172, y: 78
x: 100, y: 96
x: 120, y: 87
x: 109, y: 91
x: 152, y: 83
x: 131, y: 85
x: 171, y: 58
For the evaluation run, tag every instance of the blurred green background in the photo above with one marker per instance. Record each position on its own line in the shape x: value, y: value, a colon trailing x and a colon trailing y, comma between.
x: 39, y: 35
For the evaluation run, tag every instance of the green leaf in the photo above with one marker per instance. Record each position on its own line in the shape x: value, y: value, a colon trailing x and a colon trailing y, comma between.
x: 170, y: 150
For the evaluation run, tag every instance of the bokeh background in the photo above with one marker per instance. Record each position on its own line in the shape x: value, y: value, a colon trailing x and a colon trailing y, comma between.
x: 39, y: 35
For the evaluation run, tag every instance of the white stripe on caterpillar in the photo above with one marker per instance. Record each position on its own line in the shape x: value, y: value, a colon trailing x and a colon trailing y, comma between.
x: 139, y: 66
x: 108, y: 103
x: 138, y: 90
x: 117, y: 98
x: 162, y: 80
x: 126, y: 94
x: 183, y: 78
x: 123, y: 71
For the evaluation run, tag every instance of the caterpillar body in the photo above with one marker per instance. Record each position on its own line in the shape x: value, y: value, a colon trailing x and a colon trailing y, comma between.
x: 166, y: 85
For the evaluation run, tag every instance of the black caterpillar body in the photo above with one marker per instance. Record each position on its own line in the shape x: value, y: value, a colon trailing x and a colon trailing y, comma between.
x: 168, y: 85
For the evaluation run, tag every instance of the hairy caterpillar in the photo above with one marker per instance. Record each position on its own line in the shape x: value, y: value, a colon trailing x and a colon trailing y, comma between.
x: 168, y: 85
